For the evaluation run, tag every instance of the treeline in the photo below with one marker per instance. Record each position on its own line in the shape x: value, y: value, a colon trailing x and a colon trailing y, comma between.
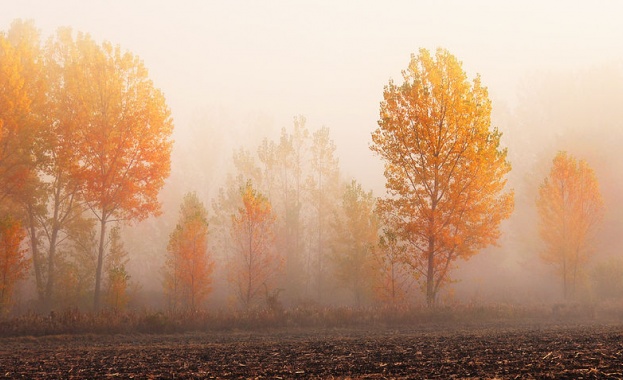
x: 85, y: 148
x: 286, y: 229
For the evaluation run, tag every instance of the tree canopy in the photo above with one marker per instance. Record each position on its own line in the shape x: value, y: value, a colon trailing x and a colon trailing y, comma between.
x: 444, y: 166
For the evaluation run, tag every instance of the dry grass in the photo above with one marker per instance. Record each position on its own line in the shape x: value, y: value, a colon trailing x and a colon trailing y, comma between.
x: 149, y: 322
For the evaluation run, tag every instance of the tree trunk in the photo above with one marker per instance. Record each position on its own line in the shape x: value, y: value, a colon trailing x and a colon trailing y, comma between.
x: 430, y: 274
x: 36, y: 258
x: 49, y: 289
x: 100, y: 262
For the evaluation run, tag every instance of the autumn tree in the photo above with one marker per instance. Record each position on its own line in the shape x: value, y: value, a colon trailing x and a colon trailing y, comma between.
x: 75, y: 264
x: 13, y: 262
x: 283, y: 173
x: 323, y: 185
x: 22, y: 111
x: 117, y: 277
x: 570, y: 209
x: 188, y: 267
x: 392, y: 280
x: 255, y: 265
x: 122, y: 141
x: 444, y: 166
x: 356, y: 227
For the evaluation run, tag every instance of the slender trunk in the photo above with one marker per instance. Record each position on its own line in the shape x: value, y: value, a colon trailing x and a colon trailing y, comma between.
x: 36, y: 258
x: 100, y: 262
x: 49, y: 289
x: 430, y: 273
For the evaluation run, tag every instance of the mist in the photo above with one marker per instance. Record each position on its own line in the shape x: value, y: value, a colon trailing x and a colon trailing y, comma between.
x: 237, y: 73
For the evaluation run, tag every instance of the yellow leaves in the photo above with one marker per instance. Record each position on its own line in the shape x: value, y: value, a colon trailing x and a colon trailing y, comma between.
x: 444, y: 167
x: 570, y: 209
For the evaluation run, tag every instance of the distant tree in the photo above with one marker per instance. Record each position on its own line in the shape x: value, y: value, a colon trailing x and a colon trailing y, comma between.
x: 188, y: 267
x: 13, y: 262
x: 117, y: 277
x: 570, y: 209
x: 323, y: 186
x: 123, y: 141
x: 444, y: 166
x: 393, y: 281
x: 357, y: 232
x: 255, y: 266
x: 283, y: 164
x: 76, y: 264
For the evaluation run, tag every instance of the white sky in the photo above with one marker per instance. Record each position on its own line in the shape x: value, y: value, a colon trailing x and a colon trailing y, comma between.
x: 329, y: 60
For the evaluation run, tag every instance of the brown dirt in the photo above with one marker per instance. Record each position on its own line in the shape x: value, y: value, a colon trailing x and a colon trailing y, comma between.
x: 586, y: 351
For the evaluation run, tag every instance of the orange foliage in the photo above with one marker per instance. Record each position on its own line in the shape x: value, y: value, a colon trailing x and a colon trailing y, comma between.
x: 570, y: 210
x: 254, y: 266
x: 444, y: 166
x: 15, y: 104
x: 123, y: 141
x: 188, y: 268
x: 13, y: 263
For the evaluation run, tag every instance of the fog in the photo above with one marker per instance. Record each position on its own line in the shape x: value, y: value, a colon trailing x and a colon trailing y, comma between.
x: 234, y: 73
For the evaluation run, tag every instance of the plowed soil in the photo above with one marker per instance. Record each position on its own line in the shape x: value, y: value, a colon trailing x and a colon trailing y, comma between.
x: 577, y: 351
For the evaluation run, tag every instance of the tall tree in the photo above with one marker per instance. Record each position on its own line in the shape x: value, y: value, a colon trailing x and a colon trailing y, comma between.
x: 188, y: 268
x: 255, y: 265
x: 570, y: 209
x: 283, y: 174
x: 323, y: 186
x: 123, y: 139
x: 444, y: 166
x: 57, y: 201
x: 357, y: 232
x: 22, y: 108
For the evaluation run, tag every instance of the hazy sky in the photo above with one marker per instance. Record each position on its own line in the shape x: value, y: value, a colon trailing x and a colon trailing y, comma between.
x: 329, y: 60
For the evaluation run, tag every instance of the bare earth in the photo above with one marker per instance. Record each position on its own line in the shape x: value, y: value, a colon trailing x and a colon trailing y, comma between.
x: 552, y: 350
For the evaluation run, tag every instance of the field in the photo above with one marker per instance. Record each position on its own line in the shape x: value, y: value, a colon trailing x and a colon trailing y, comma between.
x: 489, y: 349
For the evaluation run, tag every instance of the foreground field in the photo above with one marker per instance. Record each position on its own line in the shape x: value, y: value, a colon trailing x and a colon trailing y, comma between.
x: 428, y: 351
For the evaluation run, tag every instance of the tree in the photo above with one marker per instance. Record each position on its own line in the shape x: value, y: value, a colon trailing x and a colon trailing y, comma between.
x: 444, y: 166
x: 123, y: 143
x: 283, y: 174
x: 22, y: 101
x: 13, y: 263
x: 255, y: 265
x: 357, y: 233
x: 392, y: 280
x: 188, y: 268
x: 570, y: 209
x: 117, y: 277
x: 323, y: 185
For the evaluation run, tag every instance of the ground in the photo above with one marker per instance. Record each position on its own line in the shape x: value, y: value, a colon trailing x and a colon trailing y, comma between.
x: 490, y: 350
